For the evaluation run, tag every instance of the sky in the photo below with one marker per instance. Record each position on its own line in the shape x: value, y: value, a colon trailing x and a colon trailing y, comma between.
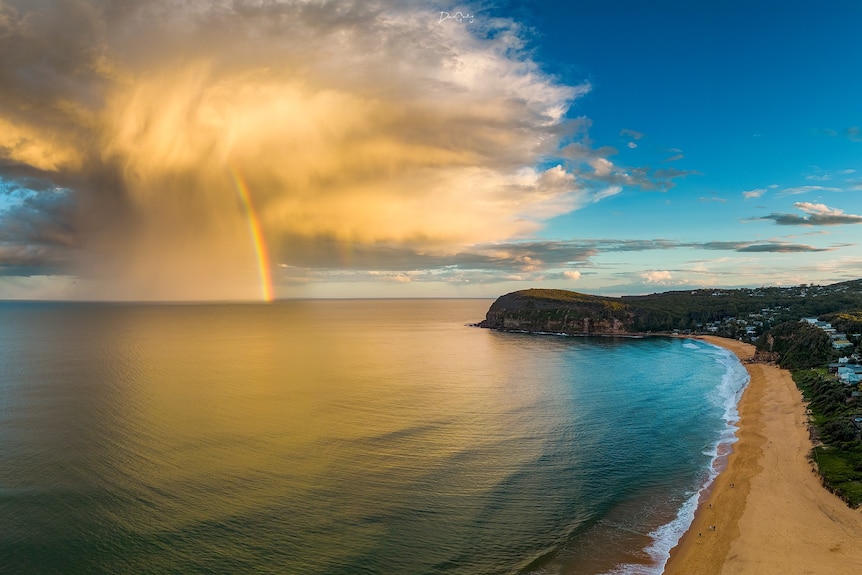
x: 257, y: 149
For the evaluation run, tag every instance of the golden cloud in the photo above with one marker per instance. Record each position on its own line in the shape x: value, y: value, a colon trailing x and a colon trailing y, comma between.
x: 357, y: 123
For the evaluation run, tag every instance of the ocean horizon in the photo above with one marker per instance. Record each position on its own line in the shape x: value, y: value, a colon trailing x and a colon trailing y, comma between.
x: 347, y: 436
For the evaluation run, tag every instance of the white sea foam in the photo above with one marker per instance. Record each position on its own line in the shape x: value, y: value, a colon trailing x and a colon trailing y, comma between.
x: 727, y: 395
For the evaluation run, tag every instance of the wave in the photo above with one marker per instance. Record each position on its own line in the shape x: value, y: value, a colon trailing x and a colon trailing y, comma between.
x: 726, y: 395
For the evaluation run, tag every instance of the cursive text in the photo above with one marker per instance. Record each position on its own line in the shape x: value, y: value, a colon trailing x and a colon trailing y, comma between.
x: 459, y: 17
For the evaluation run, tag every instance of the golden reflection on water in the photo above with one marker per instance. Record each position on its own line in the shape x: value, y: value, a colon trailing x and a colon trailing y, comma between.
x: 287, y: 401
x: 298, y: 436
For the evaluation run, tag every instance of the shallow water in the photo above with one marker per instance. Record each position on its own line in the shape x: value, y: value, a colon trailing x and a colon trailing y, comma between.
x: 344, y: 437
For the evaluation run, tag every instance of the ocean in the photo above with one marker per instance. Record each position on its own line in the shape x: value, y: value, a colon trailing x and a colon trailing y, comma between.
x: 346, y: 437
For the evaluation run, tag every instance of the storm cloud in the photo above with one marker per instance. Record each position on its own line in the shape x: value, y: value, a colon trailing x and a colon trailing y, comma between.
x: 364, y: 123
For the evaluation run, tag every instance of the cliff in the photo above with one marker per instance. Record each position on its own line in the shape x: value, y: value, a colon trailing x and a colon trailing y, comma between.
x: 559, y: 311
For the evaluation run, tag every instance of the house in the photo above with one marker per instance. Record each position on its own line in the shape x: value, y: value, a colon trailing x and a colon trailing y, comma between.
x: 850, y: 374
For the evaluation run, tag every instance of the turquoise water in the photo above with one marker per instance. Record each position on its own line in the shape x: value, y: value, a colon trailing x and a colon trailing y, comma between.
x: 329, y: 437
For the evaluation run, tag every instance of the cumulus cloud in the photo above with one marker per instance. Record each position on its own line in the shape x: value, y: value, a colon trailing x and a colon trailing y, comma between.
x: 581, y: 152
x: 572, y: 275
x: 816, y: 215
x: 351, y: 123
x: 657, y: 277
x: 593, y: 166
x: 603, y: 171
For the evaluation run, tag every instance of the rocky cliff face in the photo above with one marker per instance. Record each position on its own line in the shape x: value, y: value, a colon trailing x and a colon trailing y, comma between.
x: 558, y: 311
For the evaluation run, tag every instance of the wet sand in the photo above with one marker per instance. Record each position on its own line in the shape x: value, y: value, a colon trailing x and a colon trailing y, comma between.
x: 767, y: 513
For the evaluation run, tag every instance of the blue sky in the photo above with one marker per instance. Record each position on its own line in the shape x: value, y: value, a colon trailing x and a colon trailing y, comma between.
x: 609, y: 147
x: 760, y: 98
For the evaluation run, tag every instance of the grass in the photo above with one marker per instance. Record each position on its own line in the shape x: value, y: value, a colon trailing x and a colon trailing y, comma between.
x: 841, y: 471
x: 571, y: 297
x: 839, y: 462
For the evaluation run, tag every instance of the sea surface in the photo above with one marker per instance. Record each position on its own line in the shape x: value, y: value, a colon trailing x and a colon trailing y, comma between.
x: 346, y: 437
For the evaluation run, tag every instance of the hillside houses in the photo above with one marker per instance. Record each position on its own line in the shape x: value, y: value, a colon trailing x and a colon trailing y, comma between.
x: 747, y: 328
x: 839, y: 340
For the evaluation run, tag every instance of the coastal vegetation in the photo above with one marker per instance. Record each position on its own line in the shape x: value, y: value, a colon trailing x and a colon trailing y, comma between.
x: 797, y: 345
x: 848, y: 321
x: 835, y: 414
x: 838, y: 452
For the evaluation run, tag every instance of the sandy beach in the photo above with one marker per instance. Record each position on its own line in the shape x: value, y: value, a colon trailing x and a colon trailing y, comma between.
x: 767, y: 512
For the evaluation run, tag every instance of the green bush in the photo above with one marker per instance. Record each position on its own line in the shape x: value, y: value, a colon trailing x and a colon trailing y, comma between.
x: 798, y: 344
x: 840, y: 473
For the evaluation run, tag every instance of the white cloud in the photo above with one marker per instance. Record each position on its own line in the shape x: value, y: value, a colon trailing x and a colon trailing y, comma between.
x: 656, y: 277
x: 817, y: 215
x: 819, y: 209
x: 755, y: 193
x: 602, y: 167
x: 633, y: 134
x: 805, y: 190
x: 607, y: 193
x: 572, y: 275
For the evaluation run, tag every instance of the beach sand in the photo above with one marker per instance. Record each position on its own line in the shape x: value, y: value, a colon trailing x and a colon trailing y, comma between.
x: 767, y: 512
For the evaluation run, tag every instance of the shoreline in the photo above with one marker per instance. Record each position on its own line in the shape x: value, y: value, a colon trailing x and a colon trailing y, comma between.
x: 766, y: 512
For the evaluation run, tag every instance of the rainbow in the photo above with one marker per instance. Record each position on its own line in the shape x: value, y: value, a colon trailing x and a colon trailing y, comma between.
x: 257, y: 239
